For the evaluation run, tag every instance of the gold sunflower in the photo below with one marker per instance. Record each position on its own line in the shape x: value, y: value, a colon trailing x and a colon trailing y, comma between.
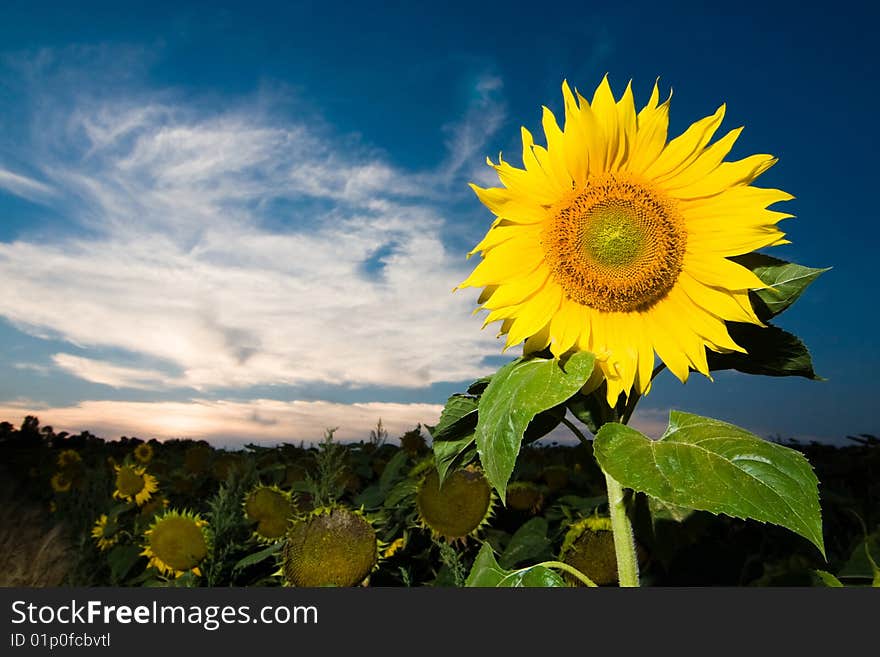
x: 177, y: 543
x: 104, y: 533
x: 68, y: 458
x: 143, y: 453
x: 133, y: 484
x: 60, y: 482
x: 613, y: 241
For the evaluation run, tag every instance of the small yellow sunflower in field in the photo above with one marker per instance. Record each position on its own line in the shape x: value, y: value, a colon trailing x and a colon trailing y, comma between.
x: 133, y: 484
x: 396, y: 546
x: 60, y: 482
x: 103, y: 533
x: 68, y: 458
x: 613, y: 241
x: 177, y: 543
x: 143, y: 453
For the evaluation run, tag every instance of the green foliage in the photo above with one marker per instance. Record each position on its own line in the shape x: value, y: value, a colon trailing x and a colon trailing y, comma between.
x: 529, y: 543
x: 514, y: 396
x: 786, y: 281
x: 770, y: 352
x: 487, y: 573
x: 705, y: 464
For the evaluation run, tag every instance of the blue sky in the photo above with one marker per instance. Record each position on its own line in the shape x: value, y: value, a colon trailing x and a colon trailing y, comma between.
x: 243, y: 220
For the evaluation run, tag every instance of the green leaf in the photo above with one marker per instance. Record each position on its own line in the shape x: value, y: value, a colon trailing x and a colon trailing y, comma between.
x: 529, y: 543
x: 532, y: 577
x: 487, y: 573
x: 589, y: 410
x: 709, y: 465
x: 122, y: 559
x: 862, y: 563
x: 454, y: 432
x: 459, y: 417
x: 257, y: 557
x: 771, y: 352
x: 827, y: 579
x: 446, y: 452
x: 392, y: 470
x: 543, y: 423
x: 516, y: 394
x: 786, y: 282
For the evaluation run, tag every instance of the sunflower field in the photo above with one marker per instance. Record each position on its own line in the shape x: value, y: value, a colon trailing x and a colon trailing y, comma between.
x: 79, y: 510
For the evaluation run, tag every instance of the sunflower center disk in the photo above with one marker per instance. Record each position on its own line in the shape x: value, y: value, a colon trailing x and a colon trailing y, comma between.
x: 618, y: 246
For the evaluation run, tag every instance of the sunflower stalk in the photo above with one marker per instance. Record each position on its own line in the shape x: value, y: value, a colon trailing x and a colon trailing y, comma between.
x: 624, y: 540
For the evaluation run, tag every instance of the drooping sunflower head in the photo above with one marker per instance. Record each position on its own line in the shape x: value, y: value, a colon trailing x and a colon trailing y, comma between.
x: 143, y: 453
x: 133, y: 484
x: 589, y: 547
x: 524, y: 496
x: 332, y: 546
x: 270, y: 508
x: 614, y: 241
x: 177, y: 543
x: 458, y: 508
x: 104, y: 533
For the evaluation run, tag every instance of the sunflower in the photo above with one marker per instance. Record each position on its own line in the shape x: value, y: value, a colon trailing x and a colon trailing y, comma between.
x: 176, y: 543
x: 613, y: 241
x: 104, y: 533
x: 589, y: 546
x: 333, y: 546
x: 271, y: 510
x: 68, y: 458
x: 143, y: 453
x: 60, y: 482
x: 457, y: 509
x: 133, y: 484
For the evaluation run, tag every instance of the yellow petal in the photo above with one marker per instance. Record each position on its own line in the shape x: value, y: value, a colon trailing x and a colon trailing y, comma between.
x: 534, y: 314
x: 516, y: 291
x: 556, y: 149
x: 567, y: 325
x: 720, y: 272
x: 508, y: 260
x: 707, y: 162
x: 720, y: 303
x: 576, y: 146
x: 728, y: 174
x: 626, y: 110
x: 538, y: 341
x: 504, y: 203
x: 605, y: 109
x: 684, y: 149
x: 501, y: 234
x: 652, y: 126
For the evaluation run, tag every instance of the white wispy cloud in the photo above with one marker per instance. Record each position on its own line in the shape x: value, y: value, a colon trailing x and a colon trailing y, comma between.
x: 237, y: 248
x: 23, y: 186
x: 113, y: 375
x: 229, y: 423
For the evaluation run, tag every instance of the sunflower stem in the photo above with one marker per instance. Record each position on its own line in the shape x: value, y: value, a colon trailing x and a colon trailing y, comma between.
x: 571, y: 570
x: 577, y: 432
x: 624, y: 543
